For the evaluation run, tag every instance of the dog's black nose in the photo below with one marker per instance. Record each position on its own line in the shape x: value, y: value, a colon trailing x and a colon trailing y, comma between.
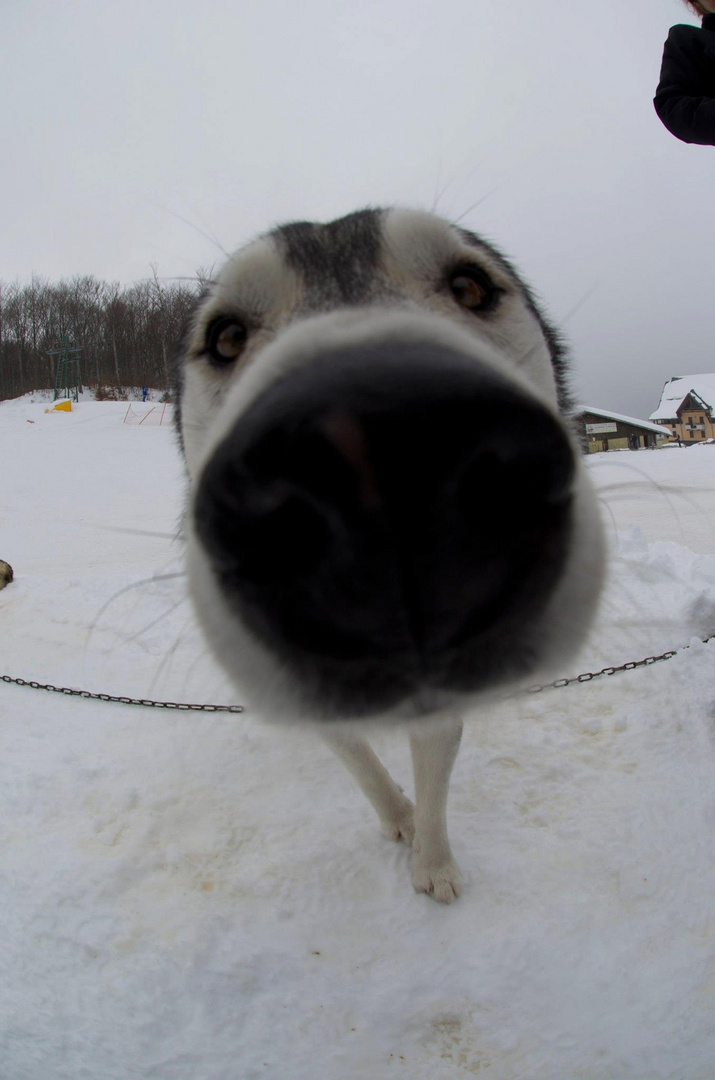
x: 388, y: 505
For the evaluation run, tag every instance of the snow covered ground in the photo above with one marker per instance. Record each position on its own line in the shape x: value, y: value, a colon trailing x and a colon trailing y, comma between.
x: 197, y: 897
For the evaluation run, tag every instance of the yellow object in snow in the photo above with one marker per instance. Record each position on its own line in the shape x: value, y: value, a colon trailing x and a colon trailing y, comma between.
x: 63, y: 406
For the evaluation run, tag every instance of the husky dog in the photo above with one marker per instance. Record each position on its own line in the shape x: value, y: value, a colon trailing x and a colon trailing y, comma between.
x: 388, y: 517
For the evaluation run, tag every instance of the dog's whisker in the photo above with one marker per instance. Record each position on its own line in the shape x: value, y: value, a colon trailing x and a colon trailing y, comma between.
x: 669, y: 493
x: 440, y: 192
x: 168, y: 657
x: 181, y: 277
x: 208, y: 230
x: 581, y: 302
x: 173, y: 537
x: 204, y: 277
x: 201, y: 655
x: 122, y: 592
x: 487, y: 195
x: 604, y: 504
x: 129, y: 639
x: 155, y: 622
x: 201, y: 232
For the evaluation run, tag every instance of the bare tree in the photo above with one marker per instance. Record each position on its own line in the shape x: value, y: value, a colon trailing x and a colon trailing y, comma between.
x: 127, y: 333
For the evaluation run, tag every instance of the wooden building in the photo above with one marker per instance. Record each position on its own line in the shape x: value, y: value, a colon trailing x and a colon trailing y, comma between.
x: 603, y: 430
x: 687, y: 407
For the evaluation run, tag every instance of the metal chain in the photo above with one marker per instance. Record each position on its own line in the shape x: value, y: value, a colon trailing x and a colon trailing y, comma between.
x: 587, y: 676
x: 184, y: 706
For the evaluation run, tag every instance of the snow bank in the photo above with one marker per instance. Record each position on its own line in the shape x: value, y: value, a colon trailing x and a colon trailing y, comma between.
x: 188, y: 897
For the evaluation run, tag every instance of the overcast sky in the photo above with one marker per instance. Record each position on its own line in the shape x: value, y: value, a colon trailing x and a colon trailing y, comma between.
x: 129, y: 129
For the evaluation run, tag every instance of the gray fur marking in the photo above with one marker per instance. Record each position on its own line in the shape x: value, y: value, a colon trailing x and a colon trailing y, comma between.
x: 336, y: 261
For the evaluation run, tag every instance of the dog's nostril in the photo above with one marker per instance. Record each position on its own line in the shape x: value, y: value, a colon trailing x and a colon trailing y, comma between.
x: 260, y: 532
x: 532, y: 479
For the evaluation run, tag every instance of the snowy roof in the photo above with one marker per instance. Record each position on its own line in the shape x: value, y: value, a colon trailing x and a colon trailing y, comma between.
x: 677, y: 389
x: 624, y: 419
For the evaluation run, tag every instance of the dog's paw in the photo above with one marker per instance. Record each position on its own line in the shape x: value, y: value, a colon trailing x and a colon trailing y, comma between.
x: 399, y: 824
x: 441, y: 880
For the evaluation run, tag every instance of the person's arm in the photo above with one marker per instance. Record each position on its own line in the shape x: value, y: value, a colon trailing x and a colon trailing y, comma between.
x: 679, y: 102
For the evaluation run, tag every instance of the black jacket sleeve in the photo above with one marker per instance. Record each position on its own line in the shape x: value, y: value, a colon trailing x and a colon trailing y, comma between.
x: 685, y: 98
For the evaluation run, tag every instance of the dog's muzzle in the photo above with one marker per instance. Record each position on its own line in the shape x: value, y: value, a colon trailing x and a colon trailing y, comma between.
x: 387, y: 520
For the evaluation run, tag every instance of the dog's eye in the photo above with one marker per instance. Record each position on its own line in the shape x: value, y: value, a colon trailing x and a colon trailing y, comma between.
x: 226, y: 340
x: 473, y: 289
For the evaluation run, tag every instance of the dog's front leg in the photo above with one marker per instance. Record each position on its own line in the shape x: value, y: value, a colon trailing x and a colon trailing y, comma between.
x: 394, y: 809
x: 433, y: 755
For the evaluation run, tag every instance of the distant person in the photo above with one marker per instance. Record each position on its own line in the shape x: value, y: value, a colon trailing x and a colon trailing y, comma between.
x: 685, y: 98
x: 145, y: 393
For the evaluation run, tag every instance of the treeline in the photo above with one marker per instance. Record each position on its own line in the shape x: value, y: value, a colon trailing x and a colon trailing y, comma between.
x: 128, y: 333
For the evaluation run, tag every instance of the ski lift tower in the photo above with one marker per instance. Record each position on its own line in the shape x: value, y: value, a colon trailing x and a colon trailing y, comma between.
x: 67, y: 378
